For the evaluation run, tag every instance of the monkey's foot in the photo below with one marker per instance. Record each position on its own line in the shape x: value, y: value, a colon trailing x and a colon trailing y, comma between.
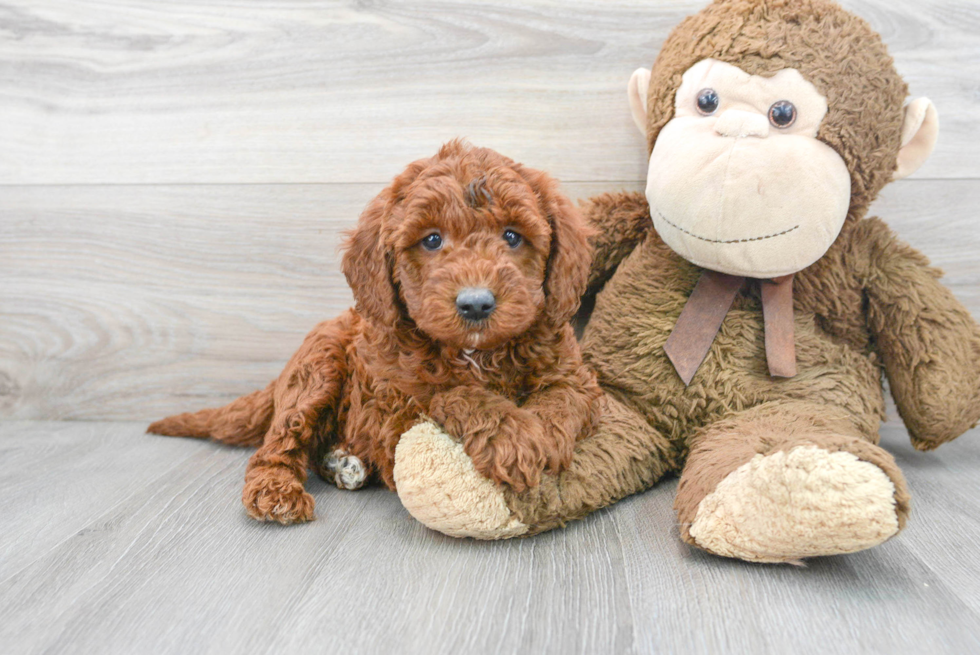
x: 439, y: 486
x: 803, y: 502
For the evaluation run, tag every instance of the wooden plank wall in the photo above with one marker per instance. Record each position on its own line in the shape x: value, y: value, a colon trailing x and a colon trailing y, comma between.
x: 175, y: 177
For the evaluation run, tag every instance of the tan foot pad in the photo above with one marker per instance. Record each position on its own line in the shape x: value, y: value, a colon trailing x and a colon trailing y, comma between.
x: 802, y: 503
x: 344, y: 470
x: 439, y: 486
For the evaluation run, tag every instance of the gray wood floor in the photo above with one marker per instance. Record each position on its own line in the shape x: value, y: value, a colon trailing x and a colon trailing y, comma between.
x: 119, y: 542
x: 174, y: 180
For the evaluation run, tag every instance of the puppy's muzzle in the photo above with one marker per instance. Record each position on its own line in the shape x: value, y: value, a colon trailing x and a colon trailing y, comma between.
x: 475, y: 304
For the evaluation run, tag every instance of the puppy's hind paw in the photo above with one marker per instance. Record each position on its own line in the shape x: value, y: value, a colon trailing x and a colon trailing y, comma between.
x: 345, y: 470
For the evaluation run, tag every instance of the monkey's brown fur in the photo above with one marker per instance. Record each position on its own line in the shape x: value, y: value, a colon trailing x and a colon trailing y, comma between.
x: 871, y: 306
x: 518, y: 399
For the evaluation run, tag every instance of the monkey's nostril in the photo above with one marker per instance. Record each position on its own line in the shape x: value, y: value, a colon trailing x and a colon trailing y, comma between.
x: 475, y: 304
x: 741, y: 124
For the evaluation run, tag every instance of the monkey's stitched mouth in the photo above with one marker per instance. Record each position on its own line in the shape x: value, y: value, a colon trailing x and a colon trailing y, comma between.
x: 697, y: 236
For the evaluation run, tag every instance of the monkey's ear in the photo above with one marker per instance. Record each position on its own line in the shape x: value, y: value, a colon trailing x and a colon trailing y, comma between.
x: 920, y: 127
x: 639, y: 83
x: 367, y: 263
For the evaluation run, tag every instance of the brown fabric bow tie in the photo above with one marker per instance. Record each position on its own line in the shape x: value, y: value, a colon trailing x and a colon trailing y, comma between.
x: 701, y: 318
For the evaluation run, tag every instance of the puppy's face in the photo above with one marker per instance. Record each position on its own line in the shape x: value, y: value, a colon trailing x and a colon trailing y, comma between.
x: 471, y: 256
x: 470, y: 246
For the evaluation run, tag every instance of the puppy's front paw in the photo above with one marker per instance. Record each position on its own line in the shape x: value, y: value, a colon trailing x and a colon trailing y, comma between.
x: 271, y: 494
x: 506, y: 443
x: 512, y: 451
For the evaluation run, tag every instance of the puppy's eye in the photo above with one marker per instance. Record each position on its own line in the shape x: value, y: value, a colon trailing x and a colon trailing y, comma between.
x: 782, y: 113
x: 708, y: 101
x: 432, y: 241
x: 512, y: 238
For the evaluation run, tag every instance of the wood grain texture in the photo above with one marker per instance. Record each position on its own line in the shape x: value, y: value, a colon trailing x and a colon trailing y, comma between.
x: 102, y: 290
x: 159, y: 557
x: 275, y: 91
x: 138, y: 301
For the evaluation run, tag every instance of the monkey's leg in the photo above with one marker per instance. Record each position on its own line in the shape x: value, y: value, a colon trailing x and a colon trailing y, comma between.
x: 787, y: 480
x: 438, y: 484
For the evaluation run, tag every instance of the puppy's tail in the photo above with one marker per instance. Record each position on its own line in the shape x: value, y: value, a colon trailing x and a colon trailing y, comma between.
x: 243, y: 422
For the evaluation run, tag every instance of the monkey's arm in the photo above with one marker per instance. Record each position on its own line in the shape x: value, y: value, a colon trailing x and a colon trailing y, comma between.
x: 620, y: 222
x: 929, y: 343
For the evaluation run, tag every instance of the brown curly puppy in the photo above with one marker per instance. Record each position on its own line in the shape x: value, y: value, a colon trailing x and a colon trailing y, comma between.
x: 465, y: 271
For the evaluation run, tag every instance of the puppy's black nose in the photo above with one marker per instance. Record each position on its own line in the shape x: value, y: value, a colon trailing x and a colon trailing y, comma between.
x: 475, y: 304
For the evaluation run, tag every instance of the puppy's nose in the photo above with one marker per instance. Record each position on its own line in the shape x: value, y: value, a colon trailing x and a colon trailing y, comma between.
x: 475, y: 304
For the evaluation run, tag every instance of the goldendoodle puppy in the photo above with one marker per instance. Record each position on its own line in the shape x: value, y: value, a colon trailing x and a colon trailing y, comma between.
x: 465, y: 271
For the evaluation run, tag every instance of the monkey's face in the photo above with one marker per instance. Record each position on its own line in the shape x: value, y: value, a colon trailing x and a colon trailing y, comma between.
x: 738, y: 181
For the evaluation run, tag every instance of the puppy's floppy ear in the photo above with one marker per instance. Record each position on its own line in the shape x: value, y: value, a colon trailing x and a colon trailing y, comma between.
x: 367, y: 262
x: 571, y: 255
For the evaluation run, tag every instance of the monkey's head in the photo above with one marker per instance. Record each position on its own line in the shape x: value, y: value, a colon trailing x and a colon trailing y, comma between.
x: 770, y: 123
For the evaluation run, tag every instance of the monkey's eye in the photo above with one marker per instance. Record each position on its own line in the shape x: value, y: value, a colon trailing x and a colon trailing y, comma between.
x: 782, y: 113
x: 512, y: 238
x: 708, y: 101
x: 432, y: 241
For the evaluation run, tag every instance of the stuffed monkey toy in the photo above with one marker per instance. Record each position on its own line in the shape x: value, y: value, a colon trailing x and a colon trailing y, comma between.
x: 747, y: 310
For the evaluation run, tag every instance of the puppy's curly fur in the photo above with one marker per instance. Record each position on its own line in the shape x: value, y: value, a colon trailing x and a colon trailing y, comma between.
x: 512, y: 387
